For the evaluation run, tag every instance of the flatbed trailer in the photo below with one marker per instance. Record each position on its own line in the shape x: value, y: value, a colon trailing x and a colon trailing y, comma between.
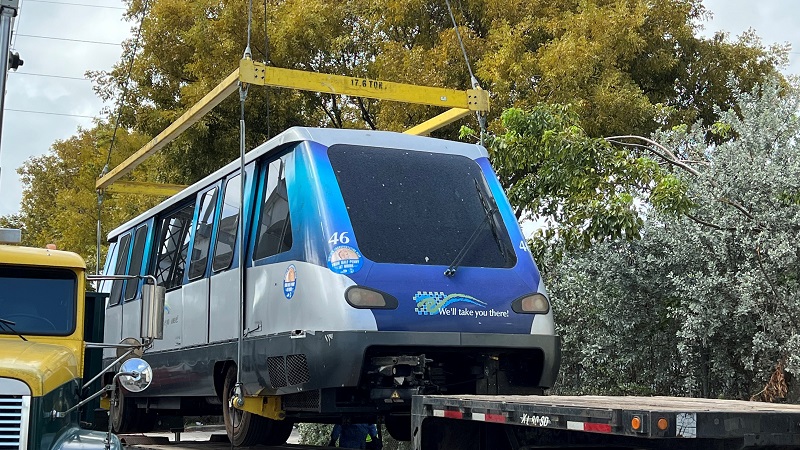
x: 483, y: 422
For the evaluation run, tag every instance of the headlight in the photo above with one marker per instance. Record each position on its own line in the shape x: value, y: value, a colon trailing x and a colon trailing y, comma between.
x: 531, y: 304
x: 360, y: 297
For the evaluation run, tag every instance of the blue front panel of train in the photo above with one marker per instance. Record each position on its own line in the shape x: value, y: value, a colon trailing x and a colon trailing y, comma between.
x: 476, y: 299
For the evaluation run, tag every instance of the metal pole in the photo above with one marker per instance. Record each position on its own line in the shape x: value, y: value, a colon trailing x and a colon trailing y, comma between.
x: 8, y: 10
x: 239, y: 399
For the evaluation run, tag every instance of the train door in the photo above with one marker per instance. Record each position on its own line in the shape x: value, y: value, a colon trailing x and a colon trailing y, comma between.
x: 196, y: 291
x: 169, y: 268
x: 224, y: 280
x: 131, y: 301
x: 269, y: 281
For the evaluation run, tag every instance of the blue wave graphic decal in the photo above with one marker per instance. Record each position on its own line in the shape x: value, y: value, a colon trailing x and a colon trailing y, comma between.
x: 431, y: 303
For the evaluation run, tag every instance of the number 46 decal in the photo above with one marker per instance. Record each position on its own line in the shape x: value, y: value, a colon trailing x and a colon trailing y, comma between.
x: 339, y: 238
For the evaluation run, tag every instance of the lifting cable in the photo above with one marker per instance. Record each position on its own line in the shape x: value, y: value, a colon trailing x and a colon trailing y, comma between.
x: 266, y: 61
x: 120, y: 104
x: 238, y: 392
x: 473, y: 80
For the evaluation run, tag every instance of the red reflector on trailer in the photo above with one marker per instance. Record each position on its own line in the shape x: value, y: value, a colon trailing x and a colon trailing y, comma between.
x: 597, y: 427
x: 495, y: 418
x: 488, y: 417
x: 451, y: 414
x: 588, y: 426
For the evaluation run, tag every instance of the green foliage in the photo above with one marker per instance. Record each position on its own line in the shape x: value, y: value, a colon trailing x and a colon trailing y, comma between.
x: 320, y: 434
x: 314, y: 433
x: 584, y: 189
x: 626, y: 66
x: 705, y: 303
x: 616, y: 62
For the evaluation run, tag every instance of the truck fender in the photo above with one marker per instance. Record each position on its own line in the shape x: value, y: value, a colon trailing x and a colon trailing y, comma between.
x: 75, y: 438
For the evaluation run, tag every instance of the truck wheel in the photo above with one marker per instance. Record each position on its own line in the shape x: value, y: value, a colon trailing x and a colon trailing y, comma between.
x: 123, y: 416
x: 279, y: 432
x: 399, y: 426
x: 243, y: 428
x: 127, y: 418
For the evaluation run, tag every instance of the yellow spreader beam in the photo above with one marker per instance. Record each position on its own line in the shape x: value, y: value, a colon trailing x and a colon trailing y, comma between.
x: 143, y: 188
x: 257, y: 73
x: 195, y: 113
x: 461, y: 103
x: 445, y: 118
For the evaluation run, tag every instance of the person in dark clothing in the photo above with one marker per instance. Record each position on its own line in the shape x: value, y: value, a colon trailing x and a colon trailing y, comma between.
x: 356, y: 436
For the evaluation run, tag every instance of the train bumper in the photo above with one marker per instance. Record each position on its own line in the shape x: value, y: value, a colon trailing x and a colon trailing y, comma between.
x: 305, y: 360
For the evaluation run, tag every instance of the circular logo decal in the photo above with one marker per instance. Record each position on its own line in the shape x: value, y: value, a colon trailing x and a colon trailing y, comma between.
x: 345, y: 260
x: 290, y: 281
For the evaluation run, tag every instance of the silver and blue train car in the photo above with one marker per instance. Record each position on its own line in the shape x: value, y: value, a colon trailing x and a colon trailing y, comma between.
x: 377, y: 265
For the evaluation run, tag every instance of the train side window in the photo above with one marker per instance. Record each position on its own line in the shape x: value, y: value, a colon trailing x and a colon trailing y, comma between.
x: 136, y: 262
x: 202, y: 234
x: 122, y: 264
x: 111, y: 263
x: 173, y: 239
x: 228, y: 223
x: 275, y: 225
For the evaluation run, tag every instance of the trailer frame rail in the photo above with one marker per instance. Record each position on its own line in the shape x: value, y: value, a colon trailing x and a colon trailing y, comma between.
x: 651, y: 422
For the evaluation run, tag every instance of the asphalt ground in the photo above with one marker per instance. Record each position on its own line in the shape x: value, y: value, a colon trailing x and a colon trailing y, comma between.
x: 211, y: 438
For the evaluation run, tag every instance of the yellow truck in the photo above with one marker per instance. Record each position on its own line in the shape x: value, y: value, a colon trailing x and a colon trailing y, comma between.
x: 47, y: 324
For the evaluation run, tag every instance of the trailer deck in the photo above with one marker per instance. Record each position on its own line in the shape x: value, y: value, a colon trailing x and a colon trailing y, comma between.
x: 638, y: 422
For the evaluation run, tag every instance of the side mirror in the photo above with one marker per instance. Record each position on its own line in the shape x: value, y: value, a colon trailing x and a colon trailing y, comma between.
x: 135, y: 375
x: 153, y: 297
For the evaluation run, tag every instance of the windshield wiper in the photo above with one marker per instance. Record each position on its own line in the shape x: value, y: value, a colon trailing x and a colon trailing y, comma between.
x: 488, y: 217
x: 7, y: 324
x: 490, y: 214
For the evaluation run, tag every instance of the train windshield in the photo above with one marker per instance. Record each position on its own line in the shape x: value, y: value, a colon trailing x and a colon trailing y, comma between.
x: 414, y: 207
x: 37, y: 301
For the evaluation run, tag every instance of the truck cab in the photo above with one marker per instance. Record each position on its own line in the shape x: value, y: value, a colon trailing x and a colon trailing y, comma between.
x: 46, y: 319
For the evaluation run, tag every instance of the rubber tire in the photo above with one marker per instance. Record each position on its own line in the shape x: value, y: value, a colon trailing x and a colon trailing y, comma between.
x: 279, y: 432
x: 399, y: 426
x: 252, y: 429
x: 127, y: 418
x: 124, y: 417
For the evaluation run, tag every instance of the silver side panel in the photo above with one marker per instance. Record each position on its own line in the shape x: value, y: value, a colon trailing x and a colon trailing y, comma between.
x: 544, y: 324
x: 224, y: 319
x: 132, y: 319
x: 195, y: 313
x: 112, y: 331
x: 173, y: 321
x: 317, y: 302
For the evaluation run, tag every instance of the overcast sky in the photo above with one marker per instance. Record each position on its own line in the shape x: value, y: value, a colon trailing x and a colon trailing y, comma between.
x: 43, y: 109
x: 46, y: 39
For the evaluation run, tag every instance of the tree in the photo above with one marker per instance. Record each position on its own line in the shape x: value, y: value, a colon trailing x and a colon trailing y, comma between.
x: 626, y: 66
x: 583, y: 189
x: 59, y: 203
x: 709, y: 294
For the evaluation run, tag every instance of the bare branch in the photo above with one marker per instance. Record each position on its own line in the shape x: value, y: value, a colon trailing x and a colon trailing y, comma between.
x: 737, y: 206
x: 365, y: 114
x: 666, y: 155
x: 709, y: 224
x: 670, y: 157
x: 764, y: 272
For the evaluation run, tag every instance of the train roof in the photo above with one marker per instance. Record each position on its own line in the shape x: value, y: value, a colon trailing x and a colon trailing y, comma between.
x: 323, y: 136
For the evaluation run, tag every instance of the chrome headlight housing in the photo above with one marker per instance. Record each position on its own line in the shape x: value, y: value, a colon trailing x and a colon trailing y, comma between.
x: 531, y: 304
x: 367, y: 298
